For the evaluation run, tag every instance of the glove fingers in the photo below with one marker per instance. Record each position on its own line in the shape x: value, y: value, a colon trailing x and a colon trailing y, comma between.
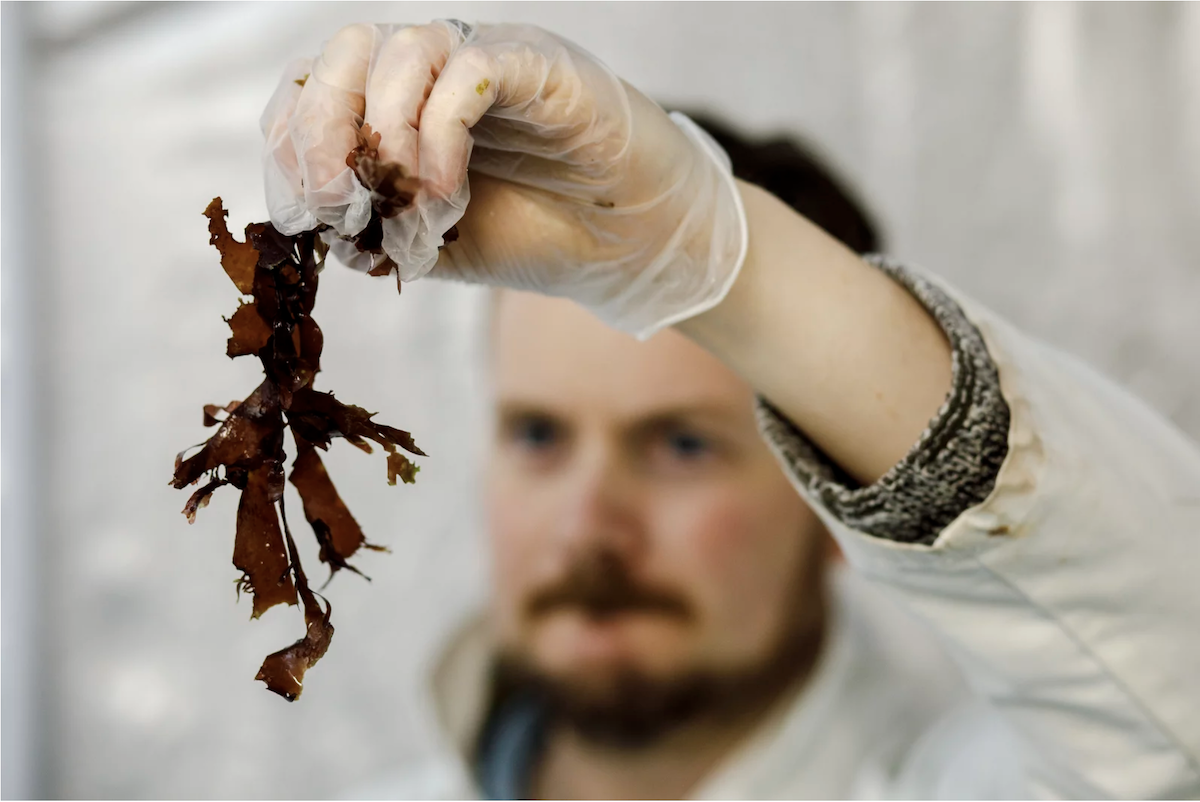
x: 347, y: 254
x: 402, y: 77
x: 489, y: 69
x: 325, y: 128
x: 541, y: 96
x: 464, y: 91
x: 281, y: 170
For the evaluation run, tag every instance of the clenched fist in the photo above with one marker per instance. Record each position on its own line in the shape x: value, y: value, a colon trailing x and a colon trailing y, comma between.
x: 560, y: 177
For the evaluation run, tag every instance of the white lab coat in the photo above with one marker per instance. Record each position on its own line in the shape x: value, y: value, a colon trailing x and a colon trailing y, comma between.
x: 1068, y: 602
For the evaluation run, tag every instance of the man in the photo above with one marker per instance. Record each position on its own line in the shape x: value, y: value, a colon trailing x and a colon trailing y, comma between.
x: 660, y: 626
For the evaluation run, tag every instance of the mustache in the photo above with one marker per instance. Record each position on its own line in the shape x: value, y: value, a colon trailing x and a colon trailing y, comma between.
x: 602, y: 587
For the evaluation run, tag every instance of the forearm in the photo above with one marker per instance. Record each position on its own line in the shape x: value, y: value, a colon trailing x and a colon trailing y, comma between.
x: 848, y: 355
x: 1043, y: 525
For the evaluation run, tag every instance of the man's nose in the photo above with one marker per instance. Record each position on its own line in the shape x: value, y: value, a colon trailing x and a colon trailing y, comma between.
x: 603, y: 507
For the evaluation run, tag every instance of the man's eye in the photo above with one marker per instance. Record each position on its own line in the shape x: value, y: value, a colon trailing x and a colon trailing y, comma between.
x: 536, y: 433
x: 686, y: 445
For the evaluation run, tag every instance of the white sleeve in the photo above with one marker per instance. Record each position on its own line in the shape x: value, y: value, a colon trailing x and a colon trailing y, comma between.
x: 1069, y: 594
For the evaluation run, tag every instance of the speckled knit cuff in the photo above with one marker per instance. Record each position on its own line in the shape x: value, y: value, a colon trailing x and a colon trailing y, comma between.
x: 953, y: 465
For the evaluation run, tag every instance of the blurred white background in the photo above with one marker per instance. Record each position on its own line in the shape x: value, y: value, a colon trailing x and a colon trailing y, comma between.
x: 1043, y: 157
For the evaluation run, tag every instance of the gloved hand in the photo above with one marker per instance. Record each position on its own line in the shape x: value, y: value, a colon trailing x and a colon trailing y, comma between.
x: 580, y: 186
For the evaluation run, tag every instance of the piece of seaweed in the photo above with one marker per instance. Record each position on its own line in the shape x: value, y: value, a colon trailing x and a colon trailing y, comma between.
x: 392, y: 191
x: 280, y: 273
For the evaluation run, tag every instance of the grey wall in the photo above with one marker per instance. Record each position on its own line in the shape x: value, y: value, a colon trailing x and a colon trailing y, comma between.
x: 1042, y: 157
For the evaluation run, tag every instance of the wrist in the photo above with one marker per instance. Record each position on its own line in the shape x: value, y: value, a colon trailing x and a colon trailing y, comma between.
x: 775, y: 279
x: 697, y: 259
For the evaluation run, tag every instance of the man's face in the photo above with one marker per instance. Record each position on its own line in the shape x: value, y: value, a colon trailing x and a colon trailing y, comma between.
x: 639, y: 525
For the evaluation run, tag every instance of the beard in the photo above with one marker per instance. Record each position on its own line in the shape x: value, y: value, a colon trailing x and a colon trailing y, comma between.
x: 629, y: 708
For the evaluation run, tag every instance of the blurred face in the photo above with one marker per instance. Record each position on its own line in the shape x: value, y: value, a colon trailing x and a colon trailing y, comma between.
x: 644, y: 539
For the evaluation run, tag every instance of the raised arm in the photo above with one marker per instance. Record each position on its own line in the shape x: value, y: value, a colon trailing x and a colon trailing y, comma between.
x: 1042, y: 520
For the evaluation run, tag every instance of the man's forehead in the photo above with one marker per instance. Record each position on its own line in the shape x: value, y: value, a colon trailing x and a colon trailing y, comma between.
x: 551, y: 352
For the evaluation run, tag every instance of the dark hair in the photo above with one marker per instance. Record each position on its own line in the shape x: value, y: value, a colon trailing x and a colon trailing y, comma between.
x: 790, y: 171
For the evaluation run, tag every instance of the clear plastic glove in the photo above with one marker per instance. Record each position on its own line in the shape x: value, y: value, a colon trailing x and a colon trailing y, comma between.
x: 580, y: 186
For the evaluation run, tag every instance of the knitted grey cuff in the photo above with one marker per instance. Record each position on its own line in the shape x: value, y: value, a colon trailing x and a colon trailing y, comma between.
x: 953, y: 465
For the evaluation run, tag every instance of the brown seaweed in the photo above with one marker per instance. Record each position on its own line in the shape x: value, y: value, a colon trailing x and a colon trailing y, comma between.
x: 247, y: 450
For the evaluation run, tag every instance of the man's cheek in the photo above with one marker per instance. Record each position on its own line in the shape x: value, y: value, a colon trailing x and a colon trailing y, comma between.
x: 518, y: 520
x: 714, y: 533
x: 514, y: 539
x: 734, y: 562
